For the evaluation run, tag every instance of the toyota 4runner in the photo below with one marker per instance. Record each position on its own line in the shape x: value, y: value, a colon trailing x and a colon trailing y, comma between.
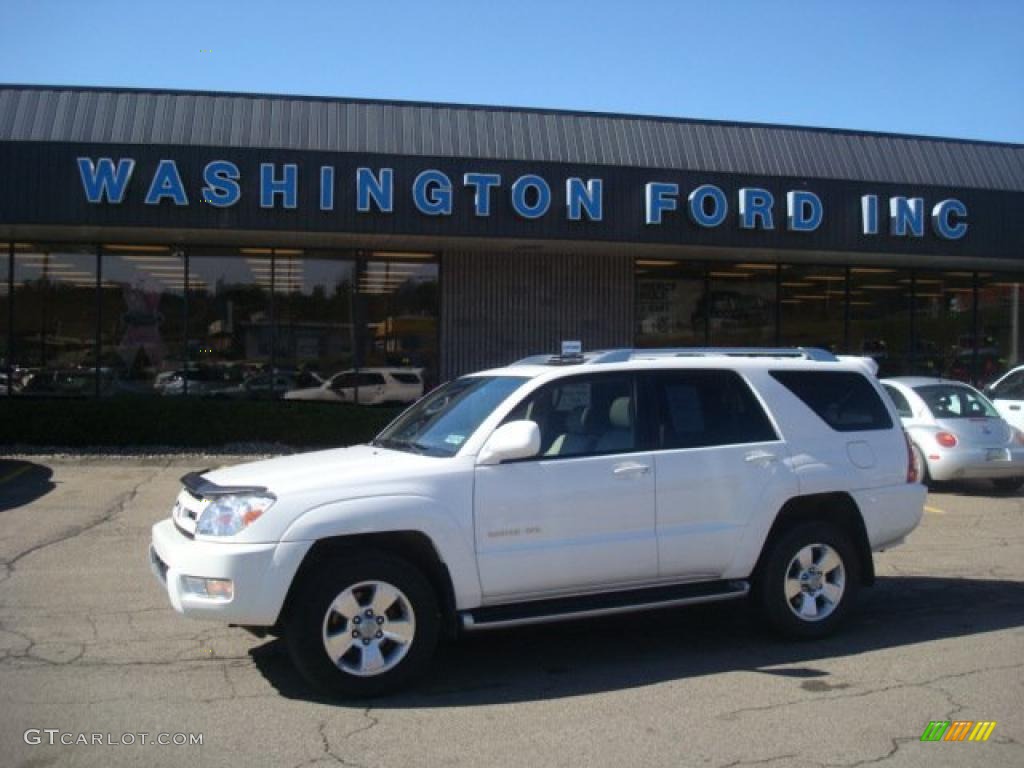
x: 555, y: 488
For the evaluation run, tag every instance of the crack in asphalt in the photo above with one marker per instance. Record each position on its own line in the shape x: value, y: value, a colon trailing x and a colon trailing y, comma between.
x: 373, y: 721
x: 115, y: 509
x: 860, y: 694
x: 325, y: 745
x: 764, y: 761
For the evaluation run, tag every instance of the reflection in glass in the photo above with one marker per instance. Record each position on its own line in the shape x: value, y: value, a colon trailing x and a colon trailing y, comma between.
x: 229, y: 320
x: 6, y: 364
x: 741, y: 305
x: 812, y: 306
x: 943, y: 325
x: 400, y: 309
x: 669, y: 304
x: 55, y: 321
x: 142, y: 341
x: 880, y: 317
x: 999, y: 319
x: 313, y: 307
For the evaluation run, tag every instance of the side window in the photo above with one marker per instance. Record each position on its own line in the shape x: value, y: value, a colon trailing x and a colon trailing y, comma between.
x: 1010, y: 388
x: 902, y: 406
x: 697, y: 408
x: 406, y: 378
x: 842, y: 399
x: 344, y: 381
x: 370, y: 379
x: 583, y: 415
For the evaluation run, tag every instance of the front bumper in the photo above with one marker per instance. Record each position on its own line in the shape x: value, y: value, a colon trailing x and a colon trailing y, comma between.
x: 975, y: 463
x: 261, y: 574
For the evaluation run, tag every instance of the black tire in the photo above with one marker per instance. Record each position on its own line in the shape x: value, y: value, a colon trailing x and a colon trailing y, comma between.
x: 922, y: 467
x: 1008, y: 484
x: 308, y: 619
x: 770, y: 583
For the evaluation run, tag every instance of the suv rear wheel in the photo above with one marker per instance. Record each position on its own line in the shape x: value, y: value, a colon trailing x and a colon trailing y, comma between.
x: 364, y: 626
x: 809, y: 580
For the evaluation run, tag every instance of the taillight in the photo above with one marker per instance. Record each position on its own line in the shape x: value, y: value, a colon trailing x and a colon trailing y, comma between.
x: 913, y: 471
x: 1018, y: 436
x: 946, y: 439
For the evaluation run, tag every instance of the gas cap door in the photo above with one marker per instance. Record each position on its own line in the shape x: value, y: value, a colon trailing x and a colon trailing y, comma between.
x: 860, y: 454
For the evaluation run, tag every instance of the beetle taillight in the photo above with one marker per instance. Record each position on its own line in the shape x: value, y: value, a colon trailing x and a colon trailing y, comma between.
x: 946, y: 439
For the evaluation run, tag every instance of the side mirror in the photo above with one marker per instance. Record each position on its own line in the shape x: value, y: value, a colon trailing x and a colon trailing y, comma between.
x: 514, y: 440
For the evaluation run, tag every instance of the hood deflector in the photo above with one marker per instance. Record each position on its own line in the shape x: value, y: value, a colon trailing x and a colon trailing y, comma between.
x: 199, y: 486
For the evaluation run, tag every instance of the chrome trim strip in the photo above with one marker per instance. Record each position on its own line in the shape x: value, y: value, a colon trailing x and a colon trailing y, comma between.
x: 469, y: 625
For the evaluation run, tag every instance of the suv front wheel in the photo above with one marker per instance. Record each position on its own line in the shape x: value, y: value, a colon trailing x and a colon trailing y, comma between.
x: 809, y: 580
x: 365, y: 624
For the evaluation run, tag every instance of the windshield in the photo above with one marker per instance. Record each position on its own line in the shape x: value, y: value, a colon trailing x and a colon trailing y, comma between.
x: 950, y: 401
x: 439, y: 424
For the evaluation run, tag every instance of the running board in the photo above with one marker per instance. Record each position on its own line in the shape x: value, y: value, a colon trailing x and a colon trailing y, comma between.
x: 604, y: 604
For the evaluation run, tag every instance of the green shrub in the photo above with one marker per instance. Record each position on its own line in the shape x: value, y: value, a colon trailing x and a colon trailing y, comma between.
x: 185, y: 422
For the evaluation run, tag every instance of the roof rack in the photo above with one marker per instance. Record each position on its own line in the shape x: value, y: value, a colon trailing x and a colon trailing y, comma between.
x: 624, y: 355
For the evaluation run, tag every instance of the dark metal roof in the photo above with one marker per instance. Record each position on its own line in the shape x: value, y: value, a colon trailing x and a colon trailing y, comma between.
x: 129, y: 116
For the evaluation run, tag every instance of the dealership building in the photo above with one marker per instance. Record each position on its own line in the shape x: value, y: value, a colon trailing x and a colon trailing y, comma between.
x: 146, y: 231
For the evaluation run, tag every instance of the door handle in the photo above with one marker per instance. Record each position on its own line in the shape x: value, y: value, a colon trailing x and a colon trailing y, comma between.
x: 1014, y: 407
x: 630, y: 470
x: 763, y: 457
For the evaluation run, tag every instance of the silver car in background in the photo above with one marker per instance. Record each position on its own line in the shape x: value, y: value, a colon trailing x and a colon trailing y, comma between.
x: 956, y: 432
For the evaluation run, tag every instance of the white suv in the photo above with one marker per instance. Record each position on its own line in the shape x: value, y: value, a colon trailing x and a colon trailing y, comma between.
x: 555, y: 489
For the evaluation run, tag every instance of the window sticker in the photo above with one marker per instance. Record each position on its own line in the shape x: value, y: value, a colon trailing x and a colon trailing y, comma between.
x: 455, y: 439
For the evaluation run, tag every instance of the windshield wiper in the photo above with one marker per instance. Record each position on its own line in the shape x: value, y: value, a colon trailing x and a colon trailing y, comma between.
x: 400, y: 445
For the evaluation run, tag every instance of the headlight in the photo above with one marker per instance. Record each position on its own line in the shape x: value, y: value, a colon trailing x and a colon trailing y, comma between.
x: 227, y: 515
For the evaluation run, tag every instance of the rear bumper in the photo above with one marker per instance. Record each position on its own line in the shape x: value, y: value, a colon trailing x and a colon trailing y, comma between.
x: 260, y: 573
x: 891, y: 513
x: 974, y: 463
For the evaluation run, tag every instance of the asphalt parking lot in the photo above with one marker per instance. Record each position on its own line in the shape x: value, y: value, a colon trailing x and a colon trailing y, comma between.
x: 89, y: 645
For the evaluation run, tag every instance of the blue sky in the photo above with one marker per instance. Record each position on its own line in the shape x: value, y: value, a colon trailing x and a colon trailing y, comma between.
x: 938, y: 67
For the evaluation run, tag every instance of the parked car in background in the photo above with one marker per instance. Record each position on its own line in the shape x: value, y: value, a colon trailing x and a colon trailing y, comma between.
x: 375, y: 386
x: 259, y: 387
x: 202, y: 382
x: 957, y: 433
x: 1007, y: 395
x: 69, y: 382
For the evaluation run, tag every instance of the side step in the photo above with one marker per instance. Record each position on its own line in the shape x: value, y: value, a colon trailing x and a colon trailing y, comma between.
x: 604, y: 604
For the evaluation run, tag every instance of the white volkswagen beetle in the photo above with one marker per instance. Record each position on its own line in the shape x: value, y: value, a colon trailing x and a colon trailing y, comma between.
x: 956, y: 432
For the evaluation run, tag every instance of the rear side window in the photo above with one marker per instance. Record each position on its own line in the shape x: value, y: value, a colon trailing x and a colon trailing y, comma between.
x: 694, y: 409
x: 842, y: 399
x: 406, y: 378
x: 949, y: 401
x: 902, y: 406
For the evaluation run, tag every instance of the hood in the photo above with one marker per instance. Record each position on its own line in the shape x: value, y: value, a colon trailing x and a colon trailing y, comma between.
x: 306, y: 472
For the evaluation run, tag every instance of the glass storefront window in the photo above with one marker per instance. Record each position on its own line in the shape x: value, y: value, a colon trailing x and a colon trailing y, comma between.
x: 1000, y: 342
x: 313, y: 306
x: 943, y: 325
x: 741, y: 305
x: 55, y: 321
x: 812, y: 307
x: 399, y: 305
x: 142, y: 340
x: 880, y: 317
x: 670, y: 304
x: 230, y: 327
x: 6, y: 364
